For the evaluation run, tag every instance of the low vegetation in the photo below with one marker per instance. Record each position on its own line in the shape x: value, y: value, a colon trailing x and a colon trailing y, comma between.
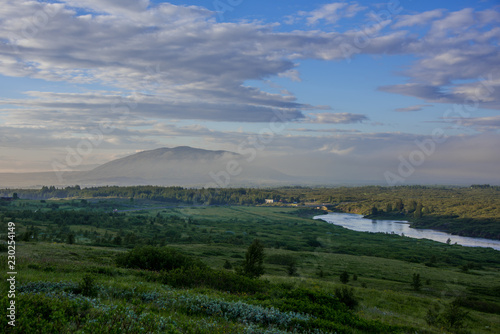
x: 116, y: 265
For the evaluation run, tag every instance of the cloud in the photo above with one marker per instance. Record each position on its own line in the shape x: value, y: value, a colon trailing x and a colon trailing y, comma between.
x: 457, y: 58
x: 335, y: 118
x: 481, y: 124
x: 332, y: 12
x: 417, y: 107
x: 160, y: 63
x: 417, y: 19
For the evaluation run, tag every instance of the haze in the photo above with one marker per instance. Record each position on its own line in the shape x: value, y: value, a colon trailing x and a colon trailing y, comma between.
x: 330, y: 92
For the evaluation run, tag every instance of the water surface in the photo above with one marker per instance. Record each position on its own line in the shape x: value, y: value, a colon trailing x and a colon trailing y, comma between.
x: 356, y: 222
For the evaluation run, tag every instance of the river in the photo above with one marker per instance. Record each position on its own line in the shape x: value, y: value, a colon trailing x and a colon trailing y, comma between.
x: 358, y: 223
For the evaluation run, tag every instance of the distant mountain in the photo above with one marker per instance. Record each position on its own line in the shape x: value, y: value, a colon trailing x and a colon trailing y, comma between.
x: 183, y: 166
x: 178, y: 166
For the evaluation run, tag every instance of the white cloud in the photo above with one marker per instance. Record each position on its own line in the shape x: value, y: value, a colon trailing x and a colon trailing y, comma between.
x: 335, y: 118
x: 332, y: 12
x: 417, y: 19
x: 165, y: 62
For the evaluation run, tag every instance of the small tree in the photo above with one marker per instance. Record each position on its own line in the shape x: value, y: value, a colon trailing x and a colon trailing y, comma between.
x: 70, y: 239
x: 87, y: 286
x: 416, y: 282
x: 388, y: 208
x: 346, y: 296
x: 454, y: 317
x: 291, y: 268
x: 254, y: 258
x: 227, y: 265
x: 344, y: 277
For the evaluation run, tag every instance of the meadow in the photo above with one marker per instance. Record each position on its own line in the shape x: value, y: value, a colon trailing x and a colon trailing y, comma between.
x: 70, y: 279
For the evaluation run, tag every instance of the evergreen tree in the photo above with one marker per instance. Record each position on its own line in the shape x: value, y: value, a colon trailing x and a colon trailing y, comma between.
x: 344, y: 277
x: 254, y: 258
x: 418, y: 211
x: 416, y: 282
x: 399, y: 205
x: 70, y: 239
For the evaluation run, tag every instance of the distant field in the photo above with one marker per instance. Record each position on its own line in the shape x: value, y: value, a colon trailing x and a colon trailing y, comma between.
x: 383, y: 265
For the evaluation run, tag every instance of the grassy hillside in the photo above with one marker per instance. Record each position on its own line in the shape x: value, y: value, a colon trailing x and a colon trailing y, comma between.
x: 69, y: 280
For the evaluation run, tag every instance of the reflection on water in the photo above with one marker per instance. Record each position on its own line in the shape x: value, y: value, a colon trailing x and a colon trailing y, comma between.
x: 358, y: 223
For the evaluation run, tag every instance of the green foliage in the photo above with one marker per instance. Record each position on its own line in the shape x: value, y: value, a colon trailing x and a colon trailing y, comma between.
x: 416, y: 282
x: 70, y: 238
x: 254, y: 258
x: 156, y: 259
x: 227, y: 265
x: 223, y: 280
x: 346, y: 296
x: 344, y: 277
x: 87, y: 286
x: 454, y: 317
x: 291, y: 269
x: 123, y: 301
x: 331, y: 314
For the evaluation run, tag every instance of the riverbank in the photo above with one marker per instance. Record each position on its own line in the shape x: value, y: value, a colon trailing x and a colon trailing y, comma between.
x: 487, y: 228
x: 356, y: 222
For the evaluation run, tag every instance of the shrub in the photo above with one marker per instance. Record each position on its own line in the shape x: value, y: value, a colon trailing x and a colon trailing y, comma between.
x: 344, y: 277
x: 156, y: 259
x: 216, y: 279
x: 291, y: 269
x: 416, y: 282
x: 453, y: 317
x: 281, y: 259
x: 227, y: 265
x: 87, y: 286
x: 346, y: 296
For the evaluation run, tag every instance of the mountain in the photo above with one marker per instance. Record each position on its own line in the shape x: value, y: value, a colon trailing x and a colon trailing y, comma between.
x: 178, y: 166
x: 183, y: 166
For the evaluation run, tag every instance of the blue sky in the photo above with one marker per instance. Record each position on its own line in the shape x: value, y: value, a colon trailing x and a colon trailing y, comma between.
x: 356, y: 85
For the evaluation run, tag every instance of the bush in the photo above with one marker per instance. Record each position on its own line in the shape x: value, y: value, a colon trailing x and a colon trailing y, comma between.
x: 344, y: 277
x: 416, y: 282
x: 454, y: 318
x: 346, y: 296
x: 215, y: 279
x: 281, y: 259
x: 87, y: 286
x: 227, y: 265
x: 479, y: 305
x: 156, y: 259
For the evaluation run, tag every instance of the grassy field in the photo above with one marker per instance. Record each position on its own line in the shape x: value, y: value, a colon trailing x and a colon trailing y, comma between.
x: 380, y: 269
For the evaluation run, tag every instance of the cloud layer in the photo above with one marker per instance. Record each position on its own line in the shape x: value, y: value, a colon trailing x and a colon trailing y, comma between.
x: 157, y: 64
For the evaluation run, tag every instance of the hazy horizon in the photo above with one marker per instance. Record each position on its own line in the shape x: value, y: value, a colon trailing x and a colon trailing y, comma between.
x: 377, y: 93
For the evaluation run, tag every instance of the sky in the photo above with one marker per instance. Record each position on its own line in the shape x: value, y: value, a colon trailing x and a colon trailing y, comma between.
x: 394, y: 92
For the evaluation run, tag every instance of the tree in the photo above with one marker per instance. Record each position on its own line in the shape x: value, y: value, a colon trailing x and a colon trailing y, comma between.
x: 399, y: 205
x: 388, y: 207
x: 254, y: 258
x: 416, y: 282
x: 454, y: 317
x: 15, y: 196
x: 227, y: 265
x: 70, y: 239
x: 117, y: 240
x: 418, y: 211
x: 344, y: 277
x: 291, y: 268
